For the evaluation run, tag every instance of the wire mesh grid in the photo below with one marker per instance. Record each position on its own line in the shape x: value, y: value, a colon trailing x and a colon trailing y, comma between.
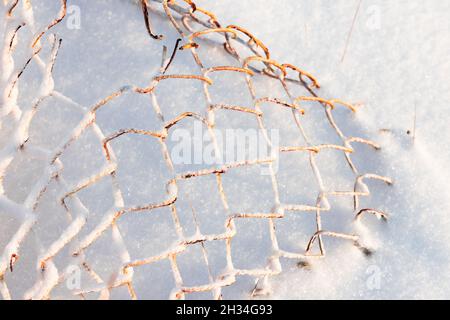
x: 252, y: 59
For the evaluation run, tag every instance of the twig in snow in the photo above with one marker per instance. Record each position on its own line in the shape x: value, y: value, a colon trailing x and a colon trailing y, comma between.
x: 60, y: 17
x: 351, y: 30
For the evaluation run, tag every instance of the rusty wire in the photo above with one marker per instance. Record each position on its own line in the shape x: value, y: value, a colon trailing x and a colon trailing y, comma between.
x: 51, y: 277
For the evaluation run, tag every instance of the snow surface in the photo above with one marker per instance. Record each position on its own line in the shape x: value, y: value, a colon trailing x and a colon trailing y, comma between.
x: 396, y: 64
x: 393, y: 68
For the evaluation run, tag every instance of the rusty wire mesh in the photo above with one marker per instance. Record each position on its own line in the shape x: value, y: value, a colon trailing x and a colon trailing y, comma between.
x: 252, y: 59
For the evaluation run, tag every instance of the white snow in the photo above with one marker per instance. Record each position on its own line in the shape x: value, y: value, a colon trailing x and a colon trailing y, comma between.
x: 394, y: 65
